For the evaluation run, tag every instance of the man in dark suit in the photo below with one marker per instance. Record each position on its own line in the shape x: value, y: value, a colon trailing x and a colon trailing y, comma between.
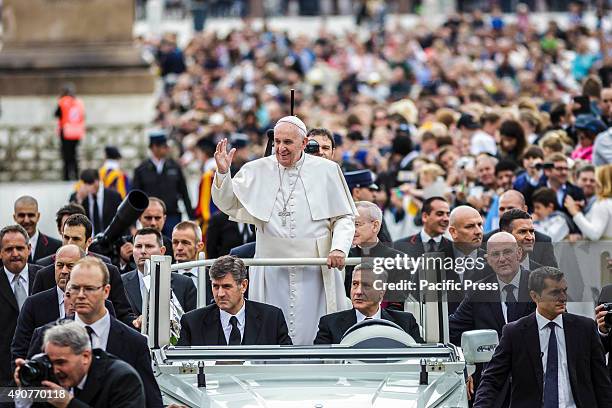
x: 77, y: 230
x: 506, y: 299
x: 26, y: 214
x: 555, y: 358
x: 222, y: 235
x: 47, y: 306
x: 147, y: 242
x: 89, y: 287
x: 96, y: 378
x: 366, y: 297
x: 604, y: 330
x: 244, y: 251
x: 542, y: 251
x: 100, y: 203
x: 367, y: 244
x: 162, y: 177
x: 232, y: 320
x: 16, y: 279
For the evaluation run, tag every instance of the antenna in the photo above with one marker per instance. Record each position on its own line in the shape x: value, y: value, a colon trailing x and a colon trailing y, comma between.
x: 292, y: 100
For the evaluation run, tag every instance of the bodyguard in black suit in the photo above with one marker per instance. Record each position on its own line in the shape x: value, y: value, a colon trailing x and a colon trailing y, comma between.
x: 147, y: 242
x: 14, y: 272
x: 162, y: 177
x: 26, y: 214
x: 110, y: 382
x: 366, y: 301
x: 106, y: 332
x: 100, y: 203
x: 501, y: 297
x: 232, y: 320
x: 45, y: 280
x: 554, y: 357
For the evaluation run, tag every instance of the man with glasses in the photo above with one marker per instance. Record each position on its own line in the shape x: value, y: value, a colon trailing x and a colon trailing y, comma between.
x: 89, y: 288
x: 555, y: 176
x: 492, y: 309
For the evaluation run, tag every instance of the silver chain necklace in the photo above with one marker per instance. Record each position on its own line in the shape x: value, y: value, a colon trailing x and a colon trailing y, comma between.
x: 284, y: 213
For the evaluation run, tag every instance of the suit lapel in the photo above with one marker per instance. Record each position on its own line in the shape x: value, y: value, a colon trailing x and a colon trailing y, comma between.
x: 133, y: 288
x: 114, y: 343
x: 532, y: 338
x: 6, y: 291
x: 212, y: 332
x: 31, y: 277
x: 252, y: 325
x: 95, y: 379
x: 348, y: 319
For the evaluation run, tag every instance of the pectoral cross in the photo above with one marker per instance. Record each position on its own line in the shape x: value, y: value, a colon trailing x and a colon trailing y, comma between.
x: 284, y: 214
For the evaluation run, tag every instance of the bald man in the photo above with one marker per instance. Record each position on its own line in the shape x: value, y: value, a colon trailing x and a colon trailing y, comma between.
x: 506, y: 300
x: 48, y: 305
x: 465, y: 227
x: 25, y: 213
x: 543, y: 252
x: 301, y: 207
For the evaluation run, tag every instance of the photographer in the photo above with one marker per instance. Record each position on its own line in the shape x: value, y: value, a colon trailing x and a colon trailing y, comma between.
x: 604, y: 323
x: 79, y: 376
x: 321, y: 143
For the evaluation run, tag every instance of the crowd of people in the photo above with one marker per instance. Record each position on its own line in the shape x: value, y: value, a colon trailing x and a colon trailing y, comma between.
x: 482, y: 142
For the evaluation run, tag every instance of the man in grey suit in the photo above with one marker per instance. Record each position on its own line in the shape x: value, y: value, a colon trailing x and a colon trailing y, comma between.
x: 147, y: 242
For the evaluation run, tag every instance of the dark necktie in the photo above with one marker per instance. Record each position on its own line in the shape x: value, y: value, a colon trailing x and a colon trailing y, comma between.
x: 90, y: 331
x: 551, y: 381
x: 234, y: 339
x: 96, y: 216
x: 510, y: 302
x: 431, y: 245
x: 76, y: 391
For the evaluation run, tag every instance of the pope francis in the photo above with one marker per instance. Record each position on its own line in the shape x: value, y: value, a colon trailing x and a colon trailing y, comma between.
x: 301, y: 207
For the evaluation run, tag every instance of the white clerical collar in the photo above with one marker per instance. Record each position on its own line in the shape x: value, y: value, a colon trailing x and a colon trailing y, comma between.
x: 361, y: 316
x: 543, y: 321
x: 225, y: 316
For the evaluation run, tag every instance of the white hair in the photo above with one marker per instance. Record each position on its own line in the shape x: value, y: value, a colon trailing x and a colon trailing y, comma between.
x: 295, y: 121
x: 373, y: 211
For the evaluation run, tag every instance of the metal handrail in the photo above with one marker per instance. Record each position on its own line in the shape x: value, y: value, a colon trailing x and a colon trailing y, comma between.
x: 266, y: 262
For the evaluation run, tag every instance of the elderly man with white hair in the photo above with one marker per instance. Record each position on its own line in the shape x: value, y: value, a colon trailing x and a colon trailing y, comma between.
x: 301, y: 207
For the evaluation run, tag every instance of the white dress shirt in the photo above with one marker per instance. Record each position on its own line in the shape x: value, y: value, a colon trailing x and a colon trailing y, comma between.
x: 159, y: 164
x: 33, y: 242
x: 566, y: 399
x: 503, y: 294
x: 101, y: 330
x: 459, y: 254
x: 60, y: 302
x: 194, y: 272
x: 525, y: 263
x: 361, y: 316
x: 24, y: 279
x: 227, y: 327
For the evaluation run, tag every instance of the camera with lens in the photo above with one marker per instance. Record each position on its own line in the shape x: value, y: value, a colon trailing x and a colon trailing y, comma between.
x: 608, y: 317
x: 312, y: 147
x: 36, y: 370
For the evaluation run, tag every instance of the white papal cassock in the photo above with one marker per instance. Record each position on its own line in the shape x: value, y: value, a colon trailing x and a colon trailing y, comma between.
x: 321, y: 218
